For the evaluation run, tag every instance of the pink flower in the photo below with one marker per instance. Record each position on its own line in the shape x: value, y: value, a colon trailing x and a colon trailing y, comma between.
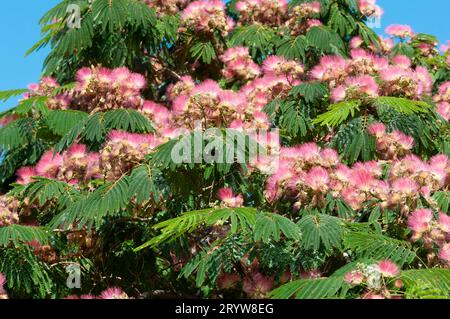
x: 401, y: 31
x: 309, y: 152
x: 444, y: 110
x: 388, y: 268
x: 317, y: 178
x: 258, y: 285
x: 49, y: 165
x: 377, y: 129
x: 444, y: 253
x: 113, y: 293
x: 444, y: 222
x: 356, y: 87
x: 356, y: 42
x: 354, y: 278
x: 227, y: 197
x: 25, y: 174
x: 420, y: 221
x: 402, y: 61
x: 2, y: 281
x: 405, y: 141
x: 405, y: 185
x: 329, y: 157
x: 228, y: 281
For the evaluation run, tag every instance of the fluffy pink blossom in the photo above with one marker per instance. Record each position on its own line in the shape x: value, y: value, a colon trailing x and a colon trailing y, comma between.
x: 354, y: 278
x: 444, y: 253
x: 419, y: 221
x: 229, y: 199
x: 444, y: 222
x: 356, y: 87
x: 377, y: 129
x: 388, y: 269
x: 113, y: 293
x: 401, y: 31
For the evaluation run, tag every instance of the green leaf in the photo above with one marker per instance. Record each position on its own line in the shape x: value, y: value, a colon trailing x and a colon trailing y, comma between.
x: 61, y: 122
x: 109, y: 200
x: 203, y: 51
x: 256, y: 36
x: 142, y: 185
x: 127, y: 120
x: 338, y: 113
x: 379, y: 247
x: 321, y: 230
x: 442, y: 198
x: 325, y: 40
x: 242, y: 217
x: 23, y: 234
x: 402, y: 105
x: 292, y: 47
x: 6, y: 95
x: 430, y: 281
x: 269, y: 226
x: 311, y: 91
x: 309, y: 289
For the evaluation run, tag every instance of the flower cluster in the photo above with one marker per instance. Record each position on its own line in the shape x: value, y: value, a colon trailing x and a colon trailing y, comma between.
x: 443, y: 100
x: 122, y: 151
x: 268, y: 12
x: 369, y: 8
x: 9, y: 211
x: 306, y: 174
x: 46, y: 87
x: 435, y: 234
x: 253, y: 281
x: 206, y: 16
x: 46, y: 253
x: 167, y: 7
x: 375, y: 278
x: 400, y: 31
x: 7, y: 119
x: 355, y: 78
x: 74, y: 166
x: 239, y: 65
x: 110, y: 293
x: 393, y: 145
x: 100, y: 89
x: 229, y: 199
x: 277, y: 66
x: 3, y: 294
x: 214, y: 107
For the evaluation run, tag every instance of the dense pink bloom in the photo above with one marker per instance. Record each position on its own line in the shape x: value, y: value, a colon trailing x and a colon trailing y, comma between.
x: 388, y: 268
x: 258, y: 285
x: 228, y: 198
x: 370, y: 8
x: 113, y: 293
x: 25, y: 174
x: 317, y: 178
x: 444, y: 253
x: 377, y: 129
x: 443, y: 109
x: 402, y: 61
x: 2, y: 281
x: 419, y: 221
x: 444, y: 222
x: 354, y: 278
x: 356, y: 87
x: 401, y: 31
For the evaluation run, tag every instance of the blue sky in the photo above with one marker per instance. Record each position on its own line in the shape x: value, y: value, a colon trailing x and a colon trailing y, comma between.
x: 19, y: 30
